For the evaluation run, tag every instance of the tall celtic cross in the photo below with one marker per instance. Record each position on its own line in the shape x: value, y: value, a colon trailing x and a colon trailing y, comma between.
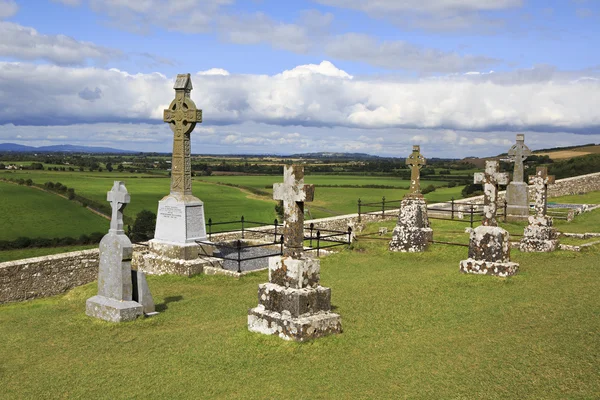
x: 294, y: 193
x: 518, y: 153
x: 540, y: 182
x: 182, y: 116
x: 490, y: 179
x: 415, y: 161
x: 118, y: 198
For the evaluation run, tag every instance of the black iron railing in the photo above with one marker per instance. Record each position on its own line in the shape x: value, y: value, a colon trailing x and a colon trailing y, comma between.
x: 242, y: 223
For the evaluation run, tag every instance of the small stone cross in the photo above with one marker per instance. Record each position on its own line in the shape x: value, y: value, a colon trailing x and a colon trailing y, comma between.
x: 182, y: 116
x: 118, y: 198
x: 490, y: 179
x: 540, y: 182
x: 294, y: 193
x: 518, y: 153
x: 416, y: 162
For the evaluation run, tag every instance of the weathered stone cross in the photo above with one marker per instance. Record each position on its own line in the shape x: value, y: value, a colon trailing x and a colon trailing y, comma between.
x: 490, y: 179
x: 294, y: 193
x: 518, y: 153
x: 540, y: 182
x: 182, y: 116
x: 416, y: 162
x: 118, y: 198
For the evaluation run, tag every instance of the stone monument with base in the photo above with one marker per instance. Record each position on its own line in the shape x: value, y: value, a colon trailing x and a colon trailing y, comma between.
x: 517, y: 195
x: 412, y: 232
x: 489, y: 245
x: 540, y: 235
x: 293, y: 305
x: 180, y: 218
x: 123, y: 294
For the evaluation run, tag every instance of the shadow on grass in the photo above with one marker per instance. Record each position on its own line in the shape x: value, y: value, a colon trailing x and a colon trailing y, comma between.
x: 165, y: 305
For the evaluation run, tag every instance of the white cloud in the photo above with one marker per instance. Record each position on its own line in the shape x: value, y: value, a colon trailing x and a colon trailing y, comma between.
x: 26, y: 43
x: 311, y: 95
x: 8, y: 8
x: 68, y: 2
x: 214, y: 71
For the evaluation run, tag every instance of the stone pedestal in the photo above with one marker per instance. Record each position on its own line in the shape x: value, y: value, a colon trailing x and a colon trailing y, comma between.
x: 114, y: 301
x: 489, y: 252
x: 179, y: 223
x: 293, y: 305
x: 539, y: 235
x: 517, y: 199
x: 412, y: 232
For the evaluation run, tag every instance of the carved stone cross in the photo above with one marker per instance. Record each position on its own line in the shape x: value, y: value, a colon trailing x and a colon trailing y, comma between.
x: 518, y: 153
x: 490, y: 179
x: 182, y: 116
x: 540, y: 182
x: 294, y: 193
x: 416, y: 162
x: 118, y: 198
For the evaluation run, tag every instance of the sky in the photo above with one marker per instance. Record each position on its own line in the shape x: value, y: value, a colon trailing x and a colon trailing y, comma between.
x: 458, y: 77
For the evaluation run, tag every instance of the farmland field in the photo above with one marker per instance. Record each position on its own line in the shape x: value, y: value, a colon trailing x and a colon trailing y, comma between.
x: 26, y: 211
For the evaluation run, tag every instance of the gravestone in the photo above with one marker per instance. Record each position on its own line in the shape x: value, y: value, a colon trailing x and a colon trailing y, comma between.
x: 293, y: 304
x: 540, y: 235
x: 517, y: 195
x: 118, y: 298
x: 489, y: 244
x: 180, y: 218
x: 412, y: 232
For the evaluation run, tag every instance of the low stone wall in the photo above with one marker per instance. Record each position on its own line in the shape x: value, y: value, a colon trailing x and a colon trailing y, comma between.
x: 47, y: 276
x: 575, y: 185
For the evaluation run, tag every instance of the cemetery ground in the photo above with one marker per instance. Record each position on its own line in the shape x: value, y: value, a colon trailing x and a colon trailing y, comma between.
x: 414, y: 327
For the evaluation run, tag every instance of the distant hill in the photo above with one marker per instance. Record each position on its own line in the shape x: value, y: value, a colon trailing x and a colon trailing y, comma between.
x: 61, y: 148
x: 562, y: 153
x: 354, y: 156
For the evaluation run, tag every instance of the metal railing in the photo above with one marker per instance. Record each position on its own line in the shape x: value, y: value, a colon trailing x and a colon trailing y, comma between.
x: 239, y: 247
x: 243, y: 224
x: 331, y: 236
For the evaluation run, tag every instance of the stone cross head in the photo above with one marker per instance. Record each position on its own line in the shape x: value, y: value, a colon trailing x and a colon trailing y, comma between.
x: 294, y: 193
x: 517, y: 154
x: 540, y: 182
x: 182, y: 117
x: 415, y: 161
x: 118, y: 198
x: 490, y: 179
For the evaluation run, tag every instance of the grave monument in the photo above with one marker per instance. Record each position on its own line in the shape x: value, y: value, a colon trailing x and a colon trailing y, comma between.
x: 293, y: 305
x: 412, y: 232
x: 517, y: 195
x: 123, y: 293
x: 540, y: 235
x: 489, y: 245
x: 180, y: 218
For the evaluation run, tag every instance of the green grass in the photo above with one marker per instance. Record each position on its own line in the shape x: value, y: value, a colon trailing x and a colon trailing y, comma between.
x: 27, y: 211
x: 414, y: 327
x: 10, y: 255
x: 588, y: 198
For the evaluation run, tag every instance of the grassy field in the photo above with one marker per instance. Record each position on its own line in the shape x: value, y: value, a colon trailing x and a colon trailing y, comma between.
x: 26, y: 211
x: 10, y: 255
x: 414, y: 327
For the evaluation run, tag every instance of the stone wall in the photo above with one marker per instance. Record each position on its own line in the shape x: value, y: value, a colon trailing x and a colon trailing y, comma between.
x: 47, y: 276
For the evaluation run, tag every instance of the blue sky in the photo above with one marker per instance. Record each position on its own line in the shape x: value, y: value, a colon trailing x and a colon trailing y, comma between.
x: 458, y: 77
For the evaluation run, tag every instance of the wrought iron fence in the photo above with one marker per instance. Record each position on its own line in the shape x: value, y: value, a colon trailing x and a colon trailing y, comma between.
x: 243, y: 224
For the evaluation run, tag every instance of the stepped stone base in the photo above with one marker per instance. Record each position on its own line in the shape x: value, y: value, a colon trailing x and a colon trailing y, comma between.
x: 292, y: 304
x: 539, y: 235
x: 112, y: 310
x: 410, y: 239
x: 301, y: 328
x: 482, y: 267
x: 174, y: 258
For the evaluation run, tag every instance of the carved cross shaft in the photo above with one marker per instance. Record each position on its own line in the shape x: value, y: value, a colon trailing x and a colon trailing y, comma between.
x: 118, y: 198
x: 294, y: 193
x: 182, y: 116
x: 518, y: 153
x: 540, y: 182
x: 490, y: 179
x: 415, y: 161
